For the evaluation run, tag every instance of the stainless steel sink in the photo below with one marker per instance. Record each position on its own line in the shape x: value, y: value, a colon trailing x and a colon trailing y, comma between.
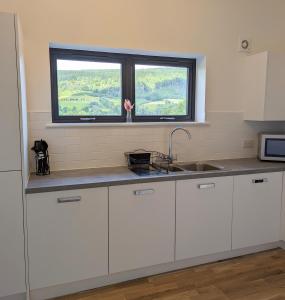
x: 198, y: 167
x: 192, y: 167
x: 174, y: 168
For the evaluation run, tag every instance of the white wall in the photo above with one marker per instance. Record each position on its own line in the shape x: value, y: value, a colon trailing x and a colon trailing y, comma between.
x: 208, y: 27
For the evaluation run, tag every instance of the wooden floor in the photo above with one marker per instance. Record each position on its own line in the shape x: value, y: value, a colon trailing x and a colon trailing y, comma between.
x: 258, y: 276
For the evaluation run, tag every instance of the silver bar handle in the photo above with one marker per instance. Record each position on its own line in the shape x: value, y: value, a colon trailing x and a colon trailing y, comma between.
x: 88, y: 119
x: 69, y: 199
x: 206, y: 186
x: 259, y: 180
x: 143, y: 192
x: 167, y: 118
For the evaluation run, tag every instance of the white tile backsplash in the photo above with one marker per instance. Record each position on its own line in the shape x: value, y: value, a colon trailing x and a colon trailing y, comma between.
x: 92, y: 147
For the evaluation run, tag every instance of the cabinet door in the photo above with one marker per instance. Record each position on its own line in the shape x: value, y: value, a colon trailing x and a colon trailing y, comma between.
x: 256, y: 209
x: 12, y: 259
x: 142, y: 225
x: 275, y: 90
x: 10, y: 158
x: 263, y: 87
x: 282, y: 231
x: 203, y: 216
x: 67, y: 236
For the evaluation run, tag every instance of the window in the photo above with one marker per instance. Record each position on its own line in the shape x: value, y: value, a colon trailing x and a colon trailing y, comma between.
x: 90, y: 86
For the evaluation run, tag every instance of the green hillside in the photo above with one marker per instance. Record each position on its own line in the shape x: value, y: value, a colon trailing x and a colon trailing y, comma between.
x: 97, y: 92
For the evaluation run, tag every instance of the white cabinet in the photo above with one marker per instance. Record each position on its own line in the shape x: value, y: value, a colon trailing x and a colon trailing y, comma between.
x: 12, y: 246
x: 282, y: 231
x: 264, y: 87
x: 203, y: 216
x: 80, y: 234
x: 67, y: 236
x: 142, y: 225
x: 10, y: 155
x: 12, y: 263
x: 256, y: 209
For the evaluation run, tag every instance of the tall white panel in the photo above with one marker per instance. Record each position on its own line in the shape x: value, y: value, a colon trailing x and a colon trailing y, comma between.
x: 12, y: 264
x: 10, y: 155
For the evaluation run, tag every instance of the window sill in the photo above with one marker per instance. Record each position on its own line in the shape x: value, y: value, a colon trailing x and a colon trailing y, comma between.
x: 134, y: 124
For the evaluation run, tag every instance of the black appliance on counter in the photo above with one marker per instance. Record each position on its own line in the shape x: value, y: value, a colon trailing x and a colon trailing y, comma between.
x: 145, y: 163
x: 42, y: 157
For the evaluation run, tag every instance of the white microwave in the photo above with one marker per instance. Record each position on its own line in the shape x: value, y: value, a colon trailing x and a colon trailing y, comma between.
x: 272, y: 146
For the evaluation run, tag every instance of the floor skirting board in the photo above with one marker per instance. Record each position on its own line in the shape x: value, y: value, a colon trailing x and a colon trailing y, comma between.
x: 21, y: 296
x: 70, y: 288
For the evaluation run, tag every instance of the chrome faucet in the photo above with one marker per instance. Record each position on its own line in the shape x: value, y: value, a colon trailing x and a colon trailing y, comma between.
x: 170, y: 154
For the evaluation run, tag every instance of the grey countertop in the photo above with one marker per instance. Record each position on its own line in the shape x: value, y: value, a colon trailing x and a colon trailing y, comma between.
x: 88, y: 178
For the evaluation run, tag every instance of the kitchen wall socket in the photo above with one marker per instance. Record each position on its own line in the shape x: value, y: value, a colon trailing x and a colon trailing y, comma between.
x: 244, y: 44
x: 248, y: 144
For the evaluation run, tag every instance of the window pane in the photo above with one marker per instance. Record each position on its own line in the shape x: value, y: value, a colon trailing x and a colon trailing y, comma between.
x: 161, y: 90
x: 87, y: 88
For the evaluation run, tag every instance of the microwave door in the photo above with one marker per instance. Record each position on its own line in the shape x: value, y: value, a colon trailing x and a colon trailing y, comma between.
x: 273, y: 148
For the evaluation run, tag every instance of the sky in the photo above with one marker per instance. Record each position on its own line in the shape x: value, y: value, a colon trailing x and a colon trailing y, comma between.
x: 91, y: 65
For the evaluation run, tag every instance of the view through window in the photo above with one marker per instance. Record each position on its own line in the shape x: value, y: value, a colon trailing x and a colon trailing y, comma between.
x: 87, y: 88
x: 160, y: 90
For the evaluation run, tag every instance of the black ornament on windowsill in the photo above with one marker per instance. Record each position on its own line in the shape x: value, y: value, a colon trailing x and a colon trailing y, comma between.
x: 42, y: 158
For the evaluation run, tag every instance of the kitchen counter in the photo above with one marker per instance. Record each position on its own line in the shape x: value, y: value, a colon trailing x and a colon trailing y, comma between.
x: 98, y: 177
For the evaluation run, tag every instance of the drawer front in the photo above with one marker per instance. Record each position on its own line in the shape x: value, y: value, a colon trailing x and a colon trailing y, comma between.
x: 256, y: 209
x: 203, y: 216
x: 142, y: 223
x: 67, y: 236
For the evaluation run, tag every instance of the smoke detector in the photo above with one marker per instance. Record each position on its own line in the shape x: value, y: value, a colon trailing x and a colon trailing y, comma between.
x: 244, y: 44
